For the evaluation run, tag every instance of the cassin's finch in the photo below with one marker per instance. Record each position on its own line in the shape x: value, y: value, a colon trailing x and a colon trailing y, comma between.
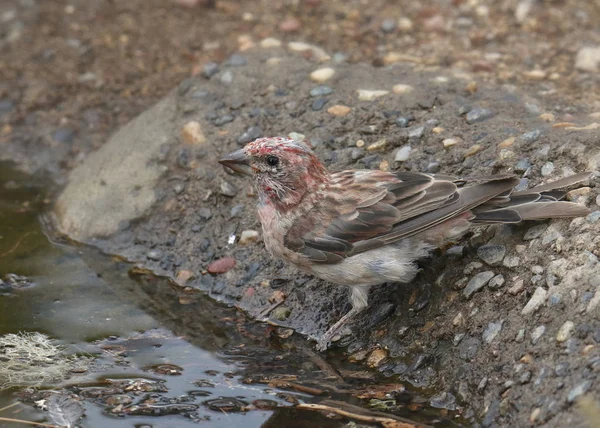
x: 365, y: 227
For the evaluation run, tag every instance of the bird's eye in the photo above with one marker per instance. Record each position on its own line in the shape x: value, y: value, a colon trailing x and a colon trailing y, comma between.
x: 272, y: 160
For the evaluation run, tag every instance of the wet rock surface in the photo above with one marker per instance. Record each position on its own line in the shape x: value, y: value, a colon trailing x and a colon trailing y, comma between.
x: 510, y: 344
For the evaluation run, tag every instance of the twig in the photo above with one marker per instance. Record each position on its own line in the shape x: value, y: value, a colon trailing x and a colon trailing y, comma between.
x: 6, y: 253
x: 362, y: 415
x: 16, y: 403
x: 283, y: 384
x: 265, y: 312
x: 20, y: 421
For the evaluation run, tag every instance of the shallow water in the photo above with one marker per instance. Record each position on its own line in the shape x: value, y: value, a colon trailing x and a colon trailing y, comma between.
x: 137, y: 326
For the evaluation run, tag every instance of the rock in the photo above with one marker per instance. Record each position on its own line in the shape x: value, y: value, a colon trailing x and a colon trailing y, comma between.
x: 416, y: 132
x: 290, y: 25
x: 474, y: 149
x: 520, y: 336
x: 319, y: 103
x: 537, y: 333
x: 511, y: 261
x: 449, y: 142
x: 221, y: 265
x: 491, y: 254
x: 228, y: 189
x: 459, y: 320
x: 210, y: 69
x: 538, y: 298
x: 322, y: 74
x: 339, y: 110
x: 477, y: 283
x: 402, y: 89
x: 377, y: 357
x: 402, y: 154
x: 251, y: 134
x: 594, y: 302
x: 282, y: 313
x: 478, y: 114
x: 222, y: 120
x: 492, y: 331
x: 405, y: 24
x: 535, y: 74
x: 155, y: 255
x: 496, y: 282
x: 205, y: 213
x: 191, y: 133
x: 535, y: 232
x: 531, y: 137
x: 388, y: 25
x: 547, y: 169
x: 321, y: 91
x: 402, y: 122
x: 579, y: 390
x: 248, y: 237
x: 588, y: 59
x: 270, y: 42
x: 319, y: 54
x: 523, y: 165
x: 370, y: 95
x: 564, y: 332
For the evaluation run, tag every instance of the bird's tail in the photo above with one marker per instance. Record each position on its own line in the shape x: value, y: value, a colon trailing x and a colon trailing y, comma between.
x: 537, y: 203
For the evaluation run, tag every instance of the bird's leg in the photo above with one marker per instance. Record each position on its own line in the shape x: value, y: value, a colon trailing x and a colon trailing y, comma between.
x: 358, y: 296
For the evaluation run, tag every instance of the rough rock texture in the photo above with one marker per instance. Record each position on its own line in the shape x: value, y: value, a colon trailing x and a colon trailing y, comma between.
x: 484, y: 359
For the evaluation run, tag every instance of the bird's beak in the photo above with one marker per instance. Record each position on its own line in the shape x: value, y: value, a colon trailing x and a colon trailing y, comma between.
x: 238, y: 162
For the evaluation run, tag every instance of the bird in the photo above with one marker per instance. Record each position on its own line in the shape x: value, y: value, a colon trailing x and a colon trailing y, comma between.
x: 361, y: 228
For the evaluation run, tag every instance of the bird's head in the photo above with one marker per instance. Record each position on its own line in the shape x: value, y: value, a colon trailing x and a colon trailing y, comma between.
x: 283, y: 169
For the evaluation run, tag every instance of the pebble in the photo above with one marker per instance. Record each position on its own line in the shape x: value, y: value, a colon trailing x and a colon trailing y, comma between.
x: 322, y: 74
x: 320, y: 91
x: 376, y: 357
x: 155, y: 255
x: 580, y: 196
x: 402, y: 89
x: 538, y: 298
x: 402, y: 122
x: 458, y: 337
x: 491, y: 254
x: 588, y: 59
x: 522, y: 165
x: 459, y: 320
x: 222, y: 120
x: 547, y: 117
x: 370, y: 95
x: 282, y: 313
x: 221, y: 265
x: 535, y: 232
x: 537, y: 333
x: 477, y: 283
x: 251, y: 134
x: 319, y: 103
x: 434, y: 167
x: 437, y: 130
x: 227, y: 77
x: 593, y: 217
x: 319, y: 54
x: 496, y: 282
x: 248, y: 237
x: 191, y: 133
x: 296, y: 136
x: 405, y: 24
x: 236, y: 211
x: 492, y: 331
x: 377, y: 146
x: 402, y: 154
x: 388, y: 25
x: 210, y: 69
x: 63, y: 135
x: 594, y: 302
x: 339, y: 110
x: 520, y: 336
x: 578, y: 390
x: 205, y: 213
x: 511, y: 261
x: 290, y: 25
x: 547, y: 169
x: 474, y: 149
x: 536, y: 74
x: 449, y: 142
x: 531, y: 137
x: 228, y: 189
x: 416, y: 132
x: 270, y: 42
x: 564, y: 332
x: 478, y: 114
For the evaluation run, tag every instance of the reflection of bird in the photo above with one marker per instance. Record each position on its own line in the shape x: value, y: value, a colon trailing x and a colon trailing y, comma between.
x: 365, y: 227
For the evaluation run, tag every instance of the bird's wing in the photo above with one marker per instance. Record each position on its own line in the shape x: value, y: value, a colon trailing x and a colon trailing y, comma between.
x: 362, y: 210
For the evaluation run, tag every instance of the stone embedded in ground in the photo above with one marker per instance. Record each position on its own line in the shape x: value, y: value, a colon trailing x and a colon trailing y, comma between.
x: 477, y: 283
x: 537, y: 300
x: 491, y: 254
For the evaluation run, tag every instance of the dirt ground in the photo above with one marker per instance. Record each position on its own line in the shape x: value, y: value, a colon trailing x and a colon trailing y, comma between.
x: 73, y: 72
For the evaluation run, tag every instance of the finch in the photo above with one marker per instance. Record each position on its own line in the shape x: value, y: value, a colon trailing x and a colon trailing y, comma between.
x: 360, y: 228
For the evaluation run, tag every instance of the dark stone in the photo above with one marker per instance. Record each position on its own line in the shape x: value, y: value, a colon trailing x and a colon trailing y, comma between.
x: 236, y: 60
x: 224, y: 119
x: 468, y: 348
x: 479, y: 115
x: 210, y: 69
x: 251, y: 134
x: 63, y: 135
x: 319, y: 103
x: 380, y: 313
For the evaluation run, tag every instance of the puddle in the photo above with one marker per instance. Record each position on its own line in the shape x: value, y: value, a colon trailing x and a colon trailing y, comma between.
x: 150, y: 354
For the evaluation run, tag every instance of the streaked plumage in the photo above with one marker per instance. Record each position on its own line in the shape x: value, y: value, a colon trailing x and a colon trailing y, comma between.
x: 364, y: 227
